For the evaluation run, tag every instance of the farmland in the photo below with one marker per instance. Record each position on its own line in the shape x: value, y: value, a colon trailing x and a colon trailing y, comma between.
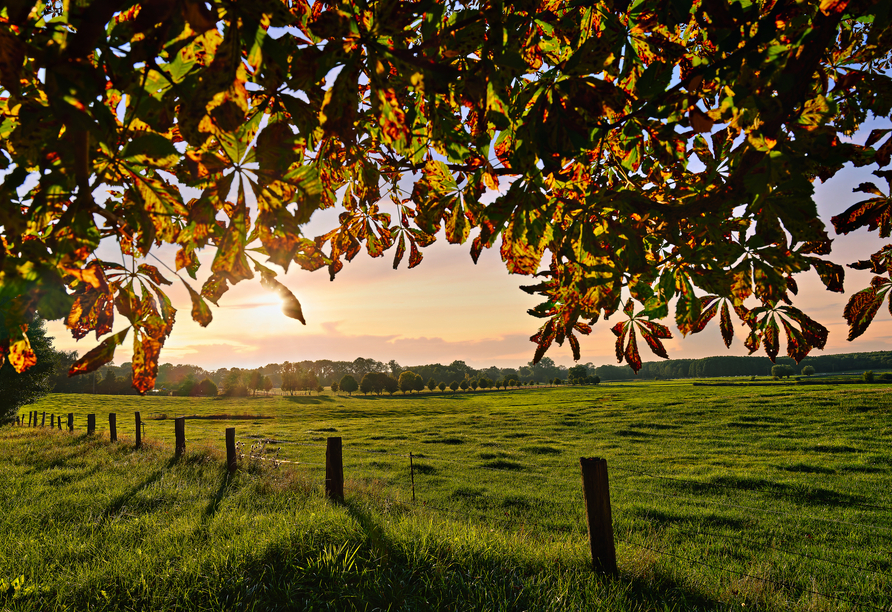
x: 777, y: 497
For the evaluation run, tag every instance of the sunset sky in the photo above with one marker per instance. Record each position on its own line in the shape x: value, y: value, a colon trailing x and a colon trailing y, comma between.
x: 448, y: 309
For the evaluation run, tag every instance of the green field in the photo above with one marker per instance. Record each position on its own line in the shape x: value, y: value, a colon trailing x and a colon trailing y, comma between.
x: 769, y: 497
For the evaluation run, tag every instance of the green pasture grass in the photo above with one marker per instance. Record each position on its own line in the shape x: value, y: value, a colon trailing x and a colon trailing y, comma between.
x: 765, y: 497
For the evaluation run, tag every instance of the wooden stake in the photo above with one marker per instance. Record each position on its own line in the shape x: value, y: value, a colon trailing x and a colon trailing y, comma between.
x: 112, y: 427
x: 70, y: 422
x: 138, y: 431
x: 179, y: 430
x: 334, y: 470
x: 231, y: 459
x: 43, y: 420
x: 597, y: 508
x: 52, y: 421
x: 59, y: 422
x: 91, y: 423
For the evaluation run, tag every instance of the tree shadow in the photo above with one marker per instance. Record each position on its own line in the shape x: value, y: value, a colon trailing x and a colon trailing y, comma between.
x: 308, y: 399
x: 121, y: 501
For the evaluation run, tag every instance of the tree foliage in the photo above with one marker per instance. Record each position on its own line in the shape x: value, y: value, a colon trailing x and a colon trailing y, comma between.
x: 18, y: 389
x: 390, y: 110
x: 348, y: 384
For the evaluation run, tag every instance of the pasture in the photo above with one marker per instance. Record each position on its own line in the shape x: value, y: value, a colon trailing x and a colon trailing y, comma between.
x: 773, y: 497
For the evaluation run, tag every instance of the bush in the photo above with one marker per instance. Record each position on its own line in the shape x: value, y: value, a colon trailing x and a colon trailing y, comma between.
x: 887, y: 377
x: 782, y: 371
x: 441, y: 386
x: 868, y: 376
x: 206, y: 388
x: 334, y: 387
x: 348, y: 384
x: 808, y: 370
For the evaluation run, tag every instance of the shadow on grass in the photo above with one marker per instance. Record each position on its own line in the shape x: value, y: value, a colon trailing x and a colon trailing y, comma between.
x: 214, y: 505
x: 796, y: 492
x: 121, y: 501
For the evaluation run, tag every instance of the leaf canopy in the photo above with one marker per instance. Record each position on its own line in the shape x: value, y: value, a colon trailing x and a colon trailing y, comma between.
x: 580, y: 122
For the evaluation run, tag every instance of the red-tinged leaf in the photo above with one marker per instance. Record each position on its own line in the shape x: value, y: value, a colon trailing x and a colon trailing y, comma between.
x: 290, y: 304
x: 870, y: 188
x: 726, y: 326
x: 400, y: 251
x: 629, y: 308
x: 415, y: 256
x: 153, y: 274
x: 753, y: 341
x: 620, y: 330
x: 792, y: 285
x: 741, y: 284
x: 82, y: 316
x: 860, y: 311
x: 457, y: 226
x: 105, y: 314
x: 797, y: 346
x: 99, y: 356
x: 653, y: 342
x: 146, y: 351
x: 127, y: 303
x: 771, y: 337
x: 706, y: 315
x: 214, y: 287
x: 633, y: 358
x: 574, y: 346
x: 583, y: 328
x: 92, y: 275
x: 687, y: 309
x: 832, y: 275
x: 657, y: 329
x: 814, y: 333
x: 21, y: 356
x: 875, y: 136
x: 201, y: 312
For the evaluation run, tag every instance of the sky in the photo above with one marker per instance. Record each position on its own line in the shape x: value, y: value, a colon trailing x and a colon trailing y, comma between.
x: 450, y: 309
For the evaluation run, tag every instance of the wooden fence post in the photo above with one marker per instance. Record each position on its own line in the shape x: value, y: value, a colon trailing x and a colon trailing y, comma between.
x: 412, y: 474
x: 52, y: 421
x: 70, y: 422
x: 91, y: 423
x: 138, y: 431
x: 59, y: 422
x: 18, y: 421
x: 597, y: 509
x: 112, y: 427
x: 231, y: 459
x: 334, y: 470
x: 43, y: 420
x: 179, y: 430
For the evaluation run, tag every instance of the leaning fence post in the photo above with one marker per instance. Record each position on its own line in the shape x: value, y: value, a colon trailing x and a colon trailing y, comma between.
x: 179, y: 430
x: 412, y: 474
x: 597, y: 508
x: 43, y: 420
x: 70, y: 422
x: 112, y: 427
x: 231, y: 460
x: 138, y: 431
x: 334, y: 470
x: 91, y: 423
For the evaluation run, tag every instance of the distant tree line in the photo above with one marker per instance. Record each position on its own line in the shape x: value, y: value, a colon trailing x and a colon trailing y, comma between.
x: 312, y: 376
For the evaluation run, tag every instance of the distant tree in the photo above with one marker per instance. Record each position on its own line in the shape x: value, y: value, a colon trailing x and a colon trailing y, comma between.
x: 334, y: 387
x: 20, y: 389
x: 593, y: 380
x: 577, y: 374
x: 348, y: 384
x: 255, y: 381
x: 396, y: 369
x: 419, y: 383
x: 233, y: 385
x: 187, y: 386
x: 464, y: 385
x: 808, y: 370
x: 485, y: 383
x: 441, y: 386
x: 206, y: 388
x: 320, y: 389
x: 431, y: 384
x: 474, y: 384
x: 406, y: 381
x: 309, y: 381
x: 454, y: 386
x: 868, y: 376
x: 512, y: 383
x: 390, y: 384
x: 367, y: 384
x: 267, y: 384
x: 557, y: 381
x: 782, y: 371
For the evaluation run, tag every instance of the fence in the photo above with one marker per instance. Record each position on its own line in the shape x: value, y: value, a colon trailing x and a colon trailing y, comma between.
x: 594, y: 515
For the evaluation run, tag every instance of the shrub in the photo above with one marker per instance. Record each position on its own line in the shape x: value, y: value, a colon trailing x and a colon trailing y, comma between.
x: 441, y: 386
x: 808, y: 370
x: 868, y: 376
x: 334, y: 387
x: 348, y: 384
x: 454, y: 386
x: 206, y: 388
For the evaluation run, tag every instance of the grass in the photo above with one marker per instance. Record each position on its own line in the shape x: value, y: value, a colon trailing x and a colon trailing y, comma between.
x: 777, y: 497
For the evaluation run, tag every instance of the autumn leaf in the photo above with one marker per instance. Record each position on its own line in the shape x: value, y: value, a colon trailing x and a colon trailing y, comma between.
x: 99, y: 356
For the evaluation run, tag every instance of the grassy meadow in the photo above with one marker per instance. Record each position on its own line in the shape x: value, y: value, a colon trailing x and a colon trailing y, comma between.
x: 774, y: 497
